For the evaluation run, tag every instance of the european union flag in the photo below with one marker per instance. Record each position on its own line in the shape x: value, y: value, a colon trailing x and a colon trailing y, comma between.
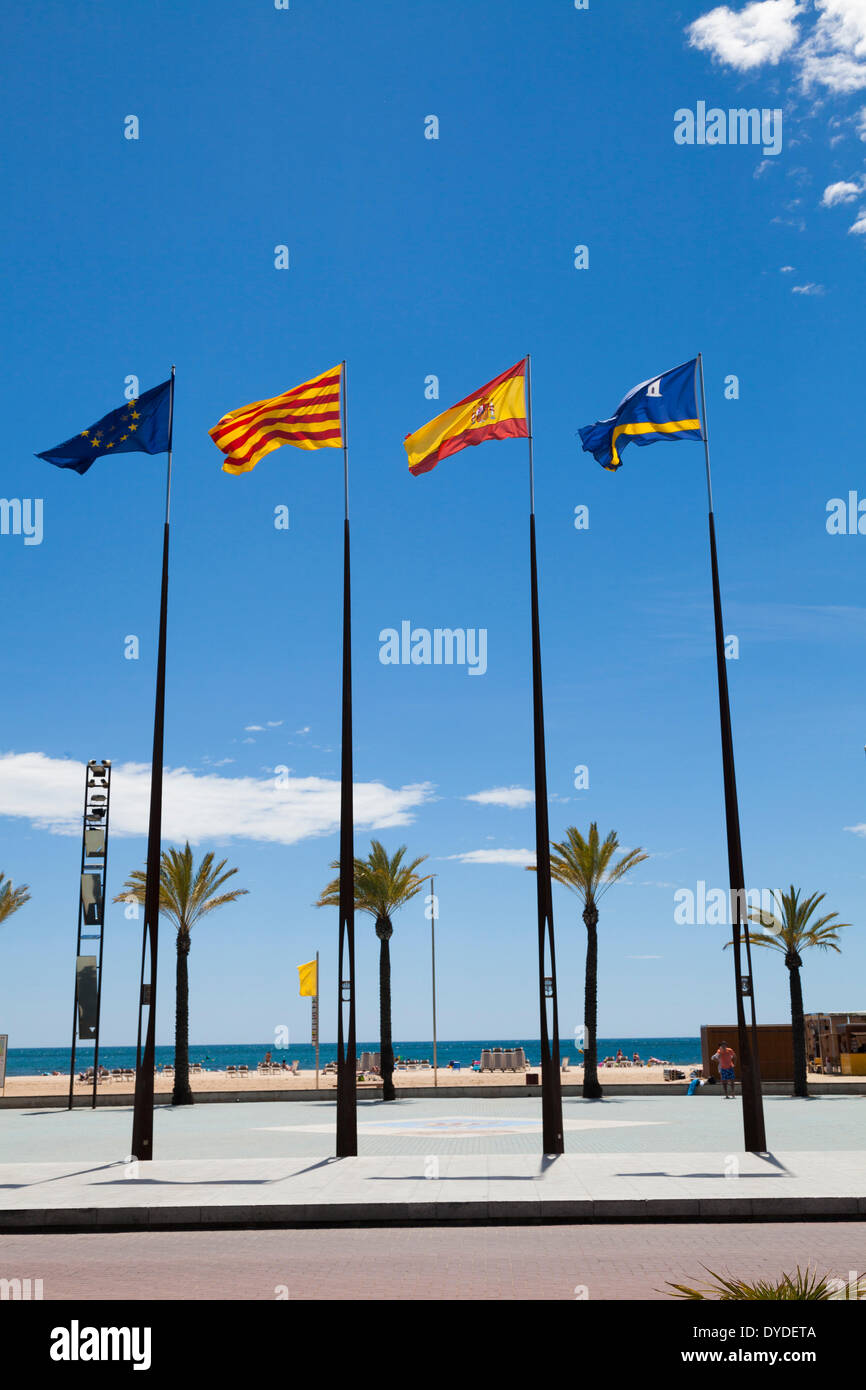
x: 142, y: 425
x: 665, y: 407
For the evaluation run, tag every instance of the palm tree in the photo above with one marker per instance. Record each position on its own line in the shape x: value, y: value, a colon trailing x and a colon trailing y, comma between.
x: 584, y: 866
x: 790, y: 931
x: 185, y: 895
x: 11, y: 898
x: 382, y: 885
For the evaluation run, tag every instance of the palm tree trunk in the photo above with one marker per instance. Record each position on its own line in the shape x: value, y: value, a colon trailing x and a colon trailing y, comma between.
x: 386, y: 1046
x: 798, y: 1029
x: 181, y: 1094
x: 591, y: 1089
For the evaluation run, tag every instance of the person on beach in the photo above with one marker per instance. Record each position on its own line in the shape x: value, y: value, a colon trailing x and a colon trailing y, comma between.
x: 726, y: 1059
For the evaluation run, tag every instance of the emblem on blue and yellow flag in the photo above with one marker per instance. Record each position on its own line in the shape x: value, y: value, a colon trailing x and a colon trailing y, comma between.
x: 665, y: 407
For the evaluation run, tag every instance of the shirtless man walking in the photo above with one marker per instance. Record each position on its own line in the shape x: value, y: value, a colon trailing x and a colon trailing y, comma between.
x: 726, y: 1058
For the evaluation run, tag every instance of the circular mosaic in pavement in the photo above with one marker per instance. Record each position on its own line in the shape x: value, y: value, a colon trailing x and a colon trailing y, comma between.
x: 460, y: 1126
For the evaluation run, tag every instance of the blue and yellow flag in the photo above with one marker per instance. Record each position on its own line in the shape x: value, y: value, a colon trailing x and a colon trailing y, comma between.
x: 142, y: 425
x: 665, y: 407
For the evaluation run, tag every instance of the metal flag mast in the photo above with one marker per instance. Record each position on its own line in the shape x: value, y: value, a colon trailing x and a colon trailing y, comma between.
x: 347, y: 1079
x: 750, y: 1073
x: 551, y: 1082
x: 142, y: 1117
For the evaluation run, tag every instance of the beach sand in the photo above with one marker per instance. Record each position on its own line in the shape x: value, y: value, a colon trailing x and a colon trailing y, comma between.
x: 306, y: 1081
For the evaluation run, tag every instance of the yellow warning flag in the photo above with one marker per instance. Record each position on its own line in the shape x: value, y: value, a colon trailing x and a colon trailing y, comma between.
x: 308, y: 980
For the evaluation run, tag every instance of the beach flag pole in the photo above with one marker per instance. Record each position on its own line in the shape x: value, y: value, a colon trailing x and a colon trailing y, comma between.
x: 750, y: 1074
x: 347, y: 1080
x: 316, y: 1020
x: 142, y: 1115
x: 551, y: 1082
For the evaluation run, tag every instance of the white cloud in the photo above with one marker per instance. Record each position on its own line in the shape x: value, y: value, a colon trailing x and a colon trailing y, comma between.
x: 513, y: 797
x: 520, y: 857
x: 856, y: 829
x: 786, y: 269
x: 47, y: 792
x: 807, y: 289
x: 834, y: 54
x: 836, y: 193
x: 254, y: 728
x: 764, y: 32
x: 859, y: 227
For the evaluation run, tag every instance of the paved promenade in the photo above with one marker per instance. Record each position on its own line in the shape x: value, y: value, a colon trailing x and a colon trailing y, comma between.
x: 429, y: 1161
x: 475, y: 1263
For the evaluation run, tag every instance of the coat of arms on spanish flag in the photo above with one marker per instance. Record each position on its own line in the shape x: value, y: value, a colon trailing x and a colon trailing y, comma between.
x: 496, y: 411
x: 308, y: 416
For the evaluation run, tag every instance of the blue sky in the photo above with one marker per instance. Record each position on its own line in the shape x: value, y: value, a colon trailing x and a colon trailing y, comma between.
x: 453, y: 257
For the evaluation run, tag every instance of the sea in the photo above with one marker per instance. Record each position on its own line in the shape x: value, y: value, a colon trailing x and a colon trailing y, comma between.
x: 45, y: 1061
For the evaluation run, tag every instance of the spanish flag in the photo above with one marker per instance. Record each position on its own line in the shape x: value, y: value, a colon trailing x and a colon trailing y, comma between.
x: 496, y: 411
x: 307, y: 416
x: 308, y: 982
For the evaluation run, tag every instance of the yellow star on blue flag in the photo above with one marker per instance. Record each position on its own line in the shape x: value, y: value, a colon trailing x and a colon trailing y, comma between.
x: 142, y: 425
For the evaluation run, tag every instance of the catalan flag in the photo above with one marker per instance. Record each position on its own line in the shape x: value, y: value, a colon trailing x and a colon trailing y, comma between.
x: 665, y: 407
x: 495, y: 411
x: 307, y: 416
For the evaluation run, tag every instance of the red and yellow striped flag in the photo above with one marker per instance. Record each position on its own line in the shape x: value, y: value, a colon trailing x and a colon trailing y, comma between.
x: 496, y: 411
x: 307, y: 416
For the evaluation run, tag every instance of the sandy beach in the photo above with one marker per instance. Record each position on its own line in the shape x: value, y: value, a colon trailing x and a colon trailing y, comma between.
x: 306, y: 1080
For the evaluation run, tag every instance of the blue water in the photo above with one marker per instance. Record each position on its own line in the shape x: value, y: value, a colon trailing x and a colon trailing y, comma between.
x: 39, y: 1061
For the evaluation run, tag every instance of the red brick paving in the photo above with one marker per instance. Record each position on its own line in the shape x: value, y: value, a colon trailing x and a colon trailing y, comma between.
x: 423, y: 1263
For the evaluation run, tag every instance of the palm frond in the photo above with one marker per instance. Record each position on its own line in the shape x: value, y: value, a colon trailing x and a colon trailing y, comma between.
x: 790, y: 928
x: 584, y: 865
x: 383, y: 883
x: 11, y: 899
x: 806, y: 1286
x: 186, y: 894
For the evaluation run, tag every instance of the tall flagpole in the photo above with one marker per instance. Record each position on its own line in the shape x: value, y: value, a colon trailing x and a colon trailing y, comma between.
x: 317, y: 1020
x: 551, y: 1081
x: 347, y: 1080
x: 755, y: 1140
x: 142, y: 1114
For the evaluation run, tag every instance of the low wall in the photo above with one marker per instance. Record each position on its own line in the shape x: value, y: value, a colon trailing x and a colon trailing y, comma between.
x: 855, y: 1087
